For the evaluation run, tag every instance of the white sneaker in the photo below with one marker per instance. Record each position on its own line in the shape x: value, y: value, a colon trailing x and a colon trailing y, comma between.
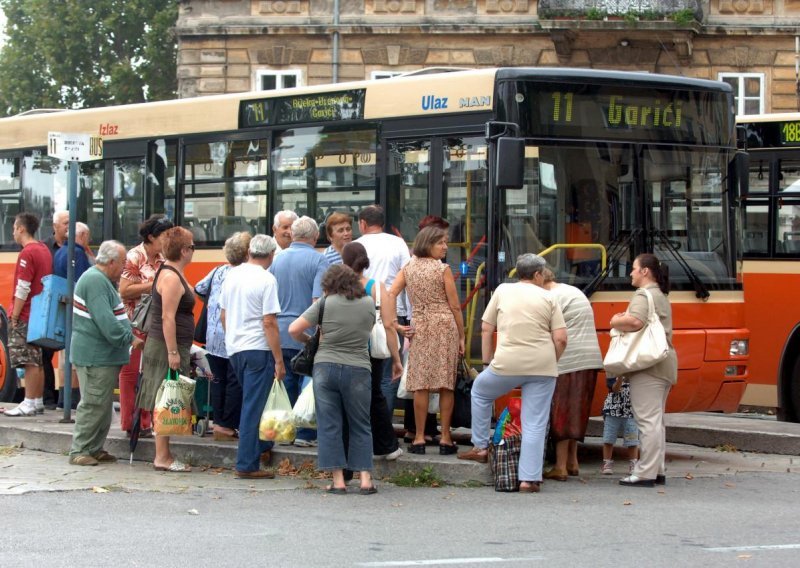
x: 607, y: 468
x: 632, y: 465
x: 39, y: 408
x: 21, y: 410
x: 394, y: 455
x: 300, y: 443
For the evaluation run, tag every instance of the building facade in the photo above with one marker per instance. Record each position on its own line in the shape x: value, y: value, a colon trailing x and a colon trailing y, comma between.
x: 230, y: 46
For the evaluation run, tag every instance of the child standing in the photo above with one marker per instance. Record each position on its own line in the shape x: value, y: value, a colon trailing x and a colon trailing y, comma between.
x: 618, y: 420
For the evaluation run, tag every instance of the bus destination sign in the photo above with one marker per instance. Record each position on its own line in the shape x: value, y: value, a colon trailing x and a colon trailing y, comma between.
x: 318, y: 107
x: 606, y: 111
x: 790, y: 133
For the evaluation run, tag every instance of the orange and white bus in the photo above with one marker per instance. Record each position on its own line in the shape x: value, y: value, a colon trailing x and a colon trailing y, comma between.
x: 588, y: 167
x: 771, y: 249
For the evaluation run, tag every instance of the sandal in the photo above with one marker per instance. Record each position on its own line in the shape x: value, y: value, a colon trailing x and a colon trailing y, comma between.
x: 418, y: 449
x: 333, y: 490
x: 175, y: 467
x: 371, y: 490
x: 448, y: 449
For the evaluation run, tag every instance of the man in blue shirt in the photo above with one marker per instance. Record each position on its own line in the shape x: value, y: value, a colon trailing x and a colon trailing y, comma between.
x: 83, y: 261
x: 83, y: 254
x: 298, y: 270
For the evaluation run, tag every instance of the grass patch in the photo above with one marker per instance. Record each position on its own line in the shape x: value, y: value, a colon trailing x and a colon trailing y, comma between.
x: 8, y: 451
x: 726, y: 448
x: 425, y: 477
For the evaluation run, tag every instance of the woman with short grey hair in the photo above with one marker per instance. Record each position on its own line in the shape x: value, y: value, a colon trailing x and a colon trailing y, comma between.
x: 226, y: 392
x: 531, y: 336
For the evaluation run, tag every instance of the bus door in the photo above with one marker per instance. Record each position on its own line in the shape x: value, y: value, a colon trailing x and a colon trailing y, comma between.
x: 444, y: 176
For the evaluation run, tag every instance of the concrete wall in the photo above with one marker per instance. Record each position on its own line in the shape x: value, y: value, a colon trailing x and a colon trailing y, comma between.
x: 223, y: 43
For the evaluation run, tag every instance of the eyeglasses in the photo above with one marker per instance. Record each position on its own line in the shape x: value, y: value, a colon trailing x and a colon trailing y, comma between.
x: 191, y: 246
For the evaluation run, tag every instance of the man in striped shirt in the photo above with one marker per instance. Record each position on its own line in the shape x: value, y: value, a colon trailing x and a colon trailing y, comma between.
x: 101, y: 338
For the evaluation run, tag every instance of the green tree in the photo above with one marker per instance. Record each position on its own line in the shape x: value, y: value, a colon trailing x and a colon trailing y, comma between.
x: 85, y: 53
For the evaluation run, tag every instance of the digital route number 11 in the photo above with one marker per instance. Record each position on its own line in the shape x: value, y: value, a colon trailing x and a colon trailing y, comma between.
x: 558, y: 100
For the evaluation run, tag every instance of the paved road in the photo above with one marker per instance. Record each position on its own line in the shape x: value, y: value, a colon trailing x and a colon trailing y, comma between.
x: 739, y: 511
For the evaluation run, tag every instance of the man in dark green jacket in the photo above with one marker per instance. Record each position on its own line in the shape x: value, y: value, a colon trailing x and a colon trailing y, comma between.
x: 101, y: 342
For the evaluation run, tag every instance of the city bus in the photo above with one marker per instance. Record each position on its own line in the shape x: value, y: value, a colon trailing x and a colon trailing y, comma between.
x: 770, y: 225
x: 587, y: 167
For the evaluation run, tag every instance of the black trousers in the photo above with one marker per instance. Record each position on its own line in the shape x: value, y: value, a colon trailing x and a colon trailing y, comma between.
x: 226, y: 393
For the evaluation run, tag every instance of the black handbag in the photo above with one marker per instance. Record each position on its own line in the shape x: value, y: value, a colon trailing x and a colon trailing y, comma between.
x: 462, y: 397
x: 202, y: 322
x: 303, y: 362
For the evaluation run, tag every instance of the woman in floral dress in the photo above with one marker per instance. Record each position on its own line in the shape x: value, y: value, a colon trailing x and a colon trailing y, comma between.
x: 438, y: 336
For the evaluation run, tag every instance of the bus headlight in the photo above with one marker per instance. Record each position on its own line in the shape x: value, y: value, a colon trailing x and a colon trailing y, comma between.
x: 740, y: 347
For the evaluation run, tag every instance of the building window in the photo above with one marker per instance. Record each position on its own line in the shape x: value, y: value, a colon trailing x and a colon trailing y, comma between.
x: 748, y: 91
x: 384, y: 74
x: 270, y: 80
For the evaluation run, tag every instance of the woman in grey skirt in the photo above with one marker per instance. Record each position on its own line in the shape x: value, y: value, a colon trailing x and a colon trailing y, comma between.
x: 171, y: 332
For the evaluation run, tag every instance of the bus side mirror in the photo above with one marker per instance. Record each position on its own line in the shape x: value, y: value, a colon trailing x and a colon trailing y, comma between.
x: 510, y: 164
x: 743, y: 173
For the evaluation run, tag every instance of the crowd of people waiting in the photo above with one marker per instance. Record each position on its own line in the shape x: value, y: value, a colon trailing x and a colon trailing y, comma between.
x: 266, y: 301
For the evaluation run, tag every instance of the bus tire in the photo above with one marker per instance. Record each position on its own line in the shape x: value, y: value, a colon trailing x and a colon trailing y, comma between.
x: 794, y: 391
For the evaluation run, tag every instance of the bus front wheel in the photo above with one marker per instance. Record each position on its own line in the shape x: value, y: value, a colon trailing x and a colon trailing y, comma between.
x: 794, y: 391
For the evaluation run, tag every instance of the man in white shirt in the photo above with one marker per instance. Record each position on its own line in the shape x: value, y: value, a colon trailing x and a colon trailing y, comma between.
x: 249, y: 302
x: 387, y: 255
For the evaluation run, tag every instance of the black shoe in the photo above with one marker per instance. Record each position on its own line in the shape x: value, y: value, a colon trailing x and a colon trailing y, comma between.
x: 633, y: 481
x: 445, y: 450
x: 416, y: 449
x: 660, y: 479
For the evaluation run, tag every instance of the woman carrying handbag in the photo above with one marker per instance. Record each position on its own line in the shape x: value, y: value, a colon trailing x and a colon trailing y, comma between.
x: 649, y: 386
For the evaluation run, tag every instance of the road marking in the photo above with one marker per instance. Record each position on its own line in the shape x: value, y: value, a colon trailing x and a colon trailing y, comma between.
x: 758, y: 547
x: 443, y: 561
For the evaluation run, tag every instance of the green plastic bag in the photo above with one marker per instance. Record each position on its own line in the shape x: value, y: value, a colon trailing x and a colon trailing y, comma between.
x: 276, y: 423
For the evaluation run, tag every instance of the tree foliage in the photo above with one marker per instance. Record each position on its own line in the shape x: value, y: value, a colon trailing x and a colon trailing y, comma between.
x: 84, y: 53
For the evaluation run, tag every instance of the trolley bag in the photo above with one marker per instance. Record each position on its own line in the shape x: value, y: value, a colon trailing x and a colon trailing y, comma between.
x: 276, y: 421
x: 504, y: 462
x: 172, y: 415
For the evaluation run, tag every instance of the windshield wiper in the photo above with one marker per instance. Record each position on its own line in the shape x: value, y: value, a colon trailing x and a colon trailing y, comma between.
x: 615, y: 250
x: 700, y: 289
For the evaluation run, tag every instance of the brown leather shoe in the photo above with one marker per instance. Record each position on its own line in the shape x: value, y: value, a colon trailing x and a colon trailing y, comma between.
x: 555, y: 474
x: 474, y: 455
x: 534, y: 487
x: 260, y: 474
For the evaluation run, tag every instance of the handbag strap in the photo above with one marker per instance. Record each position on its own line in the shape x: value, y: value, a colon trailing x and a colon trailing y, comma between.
x: 321, y: 314
x: 210, y: 285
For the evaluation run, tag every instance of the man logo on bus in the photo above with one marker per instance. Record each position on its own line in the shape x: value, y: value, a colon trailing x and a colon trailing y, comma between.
x: 643, y: 115
x: 467, y: 102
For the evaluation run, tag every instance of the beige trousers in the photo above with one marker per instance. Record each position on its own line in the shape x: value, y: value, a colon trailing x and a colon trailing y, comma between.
x: 648, y: 400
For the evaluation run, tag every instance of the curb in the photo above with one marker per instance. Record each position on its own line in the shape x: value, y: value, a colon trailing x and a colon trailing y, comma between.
x: 766, y: 437
x: 204, y: 451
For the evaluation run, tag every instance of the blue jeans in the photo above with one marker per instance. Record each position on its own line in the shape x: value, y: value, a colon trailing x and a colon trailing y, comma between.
x: 255, y: 370
x: 343, y: 391
x: 537, y: 394
x: 294, y: 386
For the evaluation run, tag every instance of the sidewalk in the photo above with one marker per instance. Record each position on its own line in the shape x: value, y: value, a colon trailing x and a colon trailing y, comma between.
x: 727, y: 440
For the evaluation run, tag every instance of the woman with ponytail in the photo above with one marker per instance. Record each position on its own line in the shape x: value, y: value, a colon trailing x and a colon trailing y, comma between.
x: 649, y: 387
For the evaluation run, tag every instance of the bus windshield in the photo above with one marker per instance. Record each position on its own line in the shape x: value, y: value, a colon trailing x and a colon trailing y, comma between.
x: 629, y: 199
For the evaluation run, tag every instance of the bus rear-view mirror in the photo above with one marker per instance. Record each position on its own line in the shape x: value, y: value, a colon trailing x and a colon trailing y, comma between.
x: 510, y: 163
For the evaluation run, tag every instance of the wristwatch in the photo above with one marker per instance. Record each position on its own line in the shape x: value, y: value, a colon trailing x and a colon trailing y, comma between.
x: 172, y: 352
